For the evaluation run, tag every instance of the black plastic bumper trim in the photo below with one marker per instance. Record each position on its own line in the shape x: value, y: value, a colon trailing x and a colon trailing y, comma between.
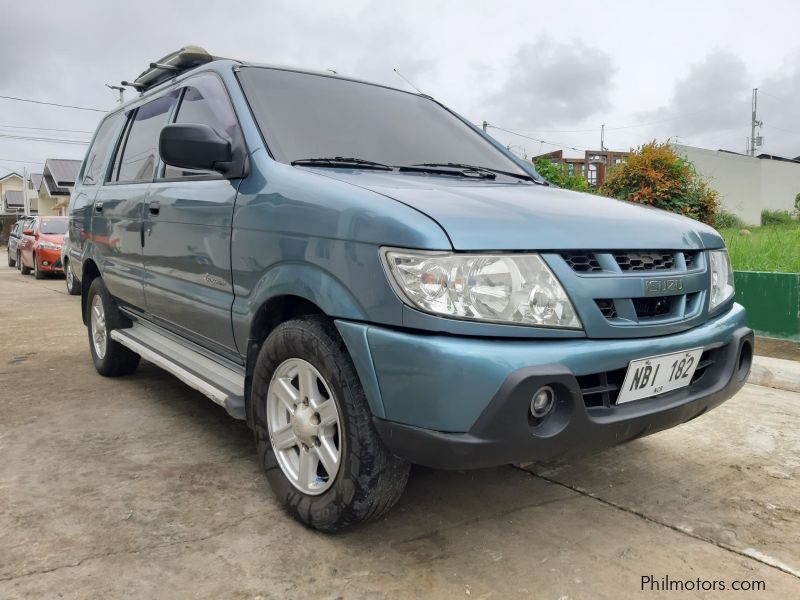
x: 506, y: 433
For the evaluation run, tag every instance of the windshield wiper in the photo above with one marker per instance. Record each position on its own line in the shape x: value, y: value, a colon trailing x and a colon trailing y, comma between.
x: 476, y: 168
x: 341, y: 161
x: 449, y: 169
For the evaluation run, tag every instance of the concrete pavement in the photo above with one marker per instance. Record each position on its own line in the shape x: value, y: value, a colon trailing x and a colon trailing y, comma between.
x: 140, y: 487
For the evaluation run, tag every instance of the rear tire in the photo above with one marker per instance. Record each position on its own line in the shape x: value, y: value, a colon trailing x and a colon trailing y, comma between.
x: 73, y: 285
x: 22, y: 268
x: 11, y: 261
x: 111, y: 359
x: 368, y: 479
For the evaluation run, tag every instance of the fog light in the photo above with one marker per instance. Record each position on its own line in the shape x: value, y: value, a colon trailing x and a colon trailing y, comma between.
x: 542, y: 401
x: 45, y: 263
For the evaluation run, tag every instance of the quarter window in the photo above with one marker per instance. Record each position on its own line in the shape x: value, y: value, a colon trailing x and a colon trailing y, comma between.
x: 95, y: 163
x: 139, y: 152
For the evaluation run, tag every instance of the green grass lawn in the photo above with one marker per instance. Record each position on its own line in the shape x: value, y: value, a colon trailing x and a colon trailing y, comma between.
x: 775, y: 248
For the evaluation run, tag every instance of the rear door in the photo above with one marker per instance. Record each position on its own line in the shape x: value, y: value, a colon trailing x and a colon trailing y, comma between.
x: 187, y: 233
x: 25, y: 245
x: 93, y: 173
x: 119, y: 204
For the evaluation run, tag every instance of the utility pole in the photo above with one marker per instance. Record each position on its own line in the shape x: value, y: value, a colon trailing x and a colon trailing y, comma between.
x: 485, y: 125
x: 26, y: 201
x: 602, y: 137
x: 754, y: 122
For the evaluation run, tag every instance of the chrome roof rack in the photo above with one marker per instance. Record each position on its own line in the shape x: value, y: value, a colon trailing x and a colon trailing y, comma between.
x: 170, y: 66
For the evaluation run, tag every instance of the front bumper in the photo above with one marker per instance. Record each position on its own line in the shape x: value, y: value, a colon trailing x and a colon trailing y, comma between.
x: 458, y: 403
x: 49, y: 260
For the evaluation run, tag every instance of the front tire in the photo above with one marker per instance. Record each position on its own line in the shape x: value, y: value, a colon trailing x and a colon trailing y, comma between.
x: 110, y: 358
x: 73, y: 285
x: 321, y: 453
x: 37, y: 272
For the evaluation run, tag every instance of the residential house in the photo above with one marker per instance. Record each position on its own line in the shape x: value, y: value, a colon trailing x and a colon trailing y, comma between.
x: 11, y: 199
x: 11, y: 194
x: 58, y: 179
x: 747, y: 184
x: 593, y: 165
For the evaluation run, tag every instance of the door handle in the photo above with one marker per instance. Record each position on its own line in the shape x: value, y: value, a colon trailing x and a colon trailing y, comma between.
x: 98, y: 206
x: 154, y: 207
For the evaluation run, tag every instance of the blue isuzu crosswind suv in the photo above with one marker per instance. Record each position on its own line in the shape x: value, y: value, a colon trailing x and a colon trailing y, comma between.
x: 371, y: 281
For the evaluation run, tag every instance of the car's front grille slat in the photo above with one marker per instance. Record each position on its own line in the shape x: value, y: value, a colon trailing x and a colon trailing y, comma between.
x: 582, y: 262
x: 589, y: 262
x: 645, y: 260
x: 607, y: 307
x: 652, y: 307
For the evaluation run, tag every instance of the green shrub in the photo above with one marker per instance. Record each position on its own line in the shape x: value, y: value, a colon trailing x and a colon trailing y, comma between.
x: 557, y: 174
x: 655, y: 175
x: 775, y: 217
x: 726, y: 220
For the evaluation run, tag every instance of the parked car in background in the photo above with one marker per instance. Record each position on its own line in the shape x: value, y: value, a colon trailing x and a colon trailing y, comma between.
x: 13, y: 242
x: 73, y: 283
x: 24, y: 239
x: 372, y: 281
x: 40, y: 246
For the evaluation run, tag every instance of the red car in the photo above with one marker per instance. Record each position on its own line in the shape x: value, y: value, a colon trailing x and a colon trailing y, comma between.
x: 40, y: 246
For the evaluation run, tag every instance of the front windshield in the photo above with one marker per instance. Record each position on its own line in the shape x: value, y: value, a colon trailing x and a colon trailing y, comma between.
x: 306, y: 116
x: 53, y: 226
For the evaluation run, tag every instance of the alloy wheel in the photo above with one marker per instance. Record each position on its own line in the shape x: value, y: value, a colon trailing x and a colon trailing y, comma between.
x: 98, y: 324
x: 304, y: 426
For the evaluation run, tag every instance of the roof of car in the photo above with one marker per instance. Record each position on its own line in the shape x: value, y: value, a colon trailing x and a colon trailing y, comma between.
x: 220, y: 63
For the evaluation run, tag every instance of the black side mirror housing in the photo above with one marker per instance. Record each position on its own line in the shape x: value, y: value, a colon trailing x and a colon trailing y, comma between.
x: 198, y: 146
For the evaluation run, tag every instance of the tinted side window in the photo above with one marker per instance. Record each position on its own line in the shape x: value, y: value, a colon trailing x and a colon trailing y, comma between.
x: 139, y: 153
x: 206, y: 102
x: 94, y: 166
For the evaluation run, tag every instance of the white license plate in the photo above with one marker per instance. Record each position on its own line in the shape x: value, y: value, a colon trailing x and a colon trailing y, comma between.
x: 658, y: 374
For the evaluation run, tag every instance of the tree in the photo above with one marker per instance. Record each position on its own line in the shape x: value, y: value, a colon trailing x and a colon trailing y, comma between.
x: 655, y: 175
x: 557, y: 174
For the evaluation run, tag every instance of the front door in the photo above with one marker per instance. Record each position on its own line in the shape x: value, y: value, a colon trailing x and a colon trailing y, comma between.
x: 187, y: 234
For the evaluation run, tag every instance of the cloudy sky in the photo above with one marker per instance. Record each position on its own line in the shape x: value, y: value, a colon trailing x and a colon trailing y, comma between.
x: 551, y: 71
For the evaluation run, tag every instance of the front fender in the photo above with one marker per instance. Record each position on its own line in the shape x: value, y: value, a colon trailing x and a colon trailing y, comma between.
x: 311, y: 283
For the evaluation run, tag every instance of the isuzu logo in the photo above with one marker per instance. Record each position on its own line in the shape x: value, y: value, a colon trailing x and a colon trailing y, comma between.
x: 660, y: 287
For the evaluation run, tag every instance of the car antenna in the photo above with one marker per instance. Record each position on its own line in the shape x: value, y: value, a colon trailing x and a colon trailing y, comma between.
x: 400, y: 75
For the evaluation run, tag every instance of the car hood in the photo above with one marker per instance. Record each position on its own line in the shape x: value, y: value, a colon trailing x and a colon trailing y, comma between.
x: 480, y: 215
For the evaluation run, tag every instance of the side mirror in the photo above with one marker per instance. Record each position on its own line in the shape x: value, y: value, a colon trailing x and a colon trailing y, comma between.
x: 196, y: 146
x: 27, y: 232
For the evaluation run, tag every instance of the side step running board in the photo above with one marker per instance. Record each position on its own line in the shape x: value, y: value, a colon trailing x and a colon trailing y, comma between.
x: 224, y: 385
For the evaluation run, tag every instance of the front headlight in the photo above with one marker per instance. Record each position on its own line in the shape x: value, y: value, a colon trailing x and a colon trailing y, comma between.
x: 516, y: 289
x: 49, y: 246
x: 721, y: 278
